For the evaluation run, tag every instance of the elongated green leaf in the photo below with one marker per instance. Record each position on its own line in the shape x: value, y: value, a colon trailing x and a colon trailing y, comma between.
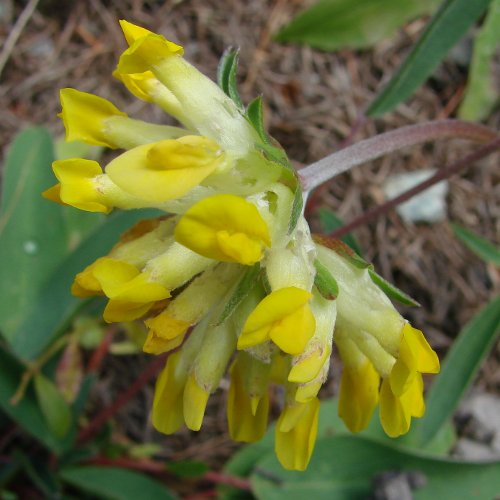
x: 391, y: 290
x: 52, y: 308
x: 333, y: 24
x: 54, y: 408
x: 115, y: 484
x: 31, y: 240
x: 446, y: 27
x: 459, y: 368
x: 344, y: 467
x: 35, y: 234
x: 481, y: 247
x: 226, y: 75
x: 482, y: 93
x: 330, y: 222
x: 26, y: 413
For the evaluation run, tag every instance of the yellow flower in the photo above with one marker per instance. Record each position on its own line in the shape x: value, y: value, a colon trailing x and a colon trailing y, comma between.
x: 235, y: 275
x: 284, y: 317
x: 296, y: 432
x: 226, y: 228
x: 167, y: 169
x: 248, y: 400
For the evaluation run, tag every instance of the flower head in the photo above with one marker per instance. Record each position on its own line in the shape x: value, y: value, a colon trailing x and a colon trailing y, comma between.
x: 231, y: 278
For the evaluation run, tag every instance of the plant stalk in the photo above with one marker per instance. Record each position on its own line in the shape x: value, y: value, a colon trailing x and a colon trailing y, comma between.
x: 341, y: 161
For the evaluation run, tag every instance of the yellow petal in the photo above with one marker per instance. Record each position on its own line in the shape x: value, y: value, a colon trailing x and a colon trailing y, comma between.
x: 85, y: 283
x: 122, y: 310
x: 167, y: 413
x: 308, y: 367
x: 413, y: 399
x: 285, y: 317
x: 124, y: 282
x: 84, y: 116
x: 359, y: 387
x: 146, y: 52
x: 132, y: 32
x: 295, y: 446
x: 155, y: 344
x: 246, y: 416
x: 414, y: 343
x: 306, y: 392
x: 167, y: 327
x: 167, y: 169
x: 195, y: 400
x: 415, y: 355
x: 226, y: 228
x: 54, y: 194
x: 394, y: 417
x: 77, y: 184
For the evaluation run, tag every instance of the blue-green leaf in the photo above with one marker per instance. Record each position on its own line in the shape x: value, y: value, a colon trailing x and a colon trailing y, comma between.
x: 447, y: 26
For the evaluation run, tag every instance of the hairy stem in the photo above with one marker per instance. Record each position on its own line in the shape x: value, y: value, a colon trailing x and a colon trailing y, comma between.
x: 442, y: 174
x: 325, y: 169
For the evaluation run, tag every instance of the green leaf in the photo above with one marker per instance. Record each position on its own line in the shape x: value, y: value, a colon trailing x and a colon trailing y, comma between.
x: 330, y: 222
x: 458, y: 371
x: 114, y: 483
x: 242, y: 289
x: 297, y: 205
x: 481, y: 247
x: 26, y: 413
x: 344, y: 467
x: 31, y: 240
x: 54, y: 408
x: 226, y: 75
x: 269, y: 147
x: 391, y: 290
x: 481, y: 93
x: 35, y: 234
x: 188, y: 468
x: 53, y: 307
x: 447, y: 26
x: 334, y: 24
x: 325, y: 283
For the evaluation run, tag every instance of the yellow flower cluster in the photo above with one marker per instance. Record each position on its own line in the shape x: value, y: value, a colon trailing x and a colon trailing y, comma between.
x: 230, y: 273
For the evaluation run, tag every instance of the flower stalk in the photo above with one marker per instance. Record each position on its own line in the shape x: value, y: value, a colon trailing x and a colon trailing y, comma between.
x: 370, y: 149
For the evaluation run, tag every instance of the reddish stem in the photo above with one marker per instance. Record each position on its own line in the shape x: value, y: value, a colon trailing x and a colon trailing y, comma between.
x: 442, y: 174
x: 152, y: 467
x: 100, y: 353
x: 149, y: 373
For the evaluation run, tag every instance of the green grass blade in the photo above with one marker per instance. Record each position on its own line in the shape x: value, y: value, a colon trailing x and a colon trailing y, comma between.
x: 481, y: 247
x: 481, y: 93
x: 447, y: 26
